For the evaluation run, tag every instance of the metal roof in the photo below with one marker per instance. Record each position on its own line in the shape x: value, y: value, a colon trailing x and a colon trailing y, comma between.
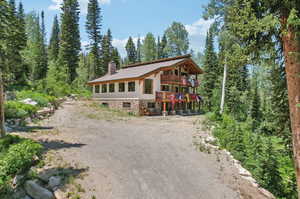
x: 139, y: 70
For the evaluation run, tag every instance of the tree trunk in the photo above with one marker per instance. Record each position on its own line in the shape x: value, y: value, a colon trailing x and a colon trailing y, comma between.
x: 2, y: 124
x: 292, y: 66
x: 223, y: 88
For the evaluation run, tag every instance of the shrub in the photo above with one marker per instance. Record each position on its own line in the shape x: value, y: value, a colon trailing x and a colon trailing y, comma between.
x: 42, y: 99
x: 18, y: 110
x: 7, y: 141
x: 18, y: 158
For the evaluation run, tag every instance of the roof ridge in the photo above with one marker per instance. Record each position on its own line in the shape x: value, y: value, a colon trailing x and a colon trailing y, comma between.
x: 157, y: 61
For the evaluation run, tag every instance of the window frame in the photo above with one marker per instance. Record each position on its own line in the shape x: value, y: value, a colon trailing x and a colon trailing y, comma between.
x: 111, y: 88
x: 123, y: 90
x: 163, y: 85
x: 97, y: 89
x: 150, y: 89
x: 104, y: 88
x: 126, y: 103
x: 129, y: 88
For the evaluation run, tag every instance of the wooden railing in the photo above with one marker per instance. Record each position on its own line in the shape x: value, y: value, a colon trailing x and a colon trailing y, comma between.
x: 174, y: 79
x: 176, y: 97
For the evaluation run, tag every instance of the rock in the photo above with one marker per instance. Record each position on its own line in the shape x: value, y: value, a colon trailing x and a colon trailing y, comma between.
x: 242, y: 171
x: 37, y: 192
x: 26, y: 197
x: 59, y: 194
x: 44, y: 111
x: 46, y: 174
x: 54, y: 181
x: 17, y: 180
x: 19, y: 193
x: 29, y: 101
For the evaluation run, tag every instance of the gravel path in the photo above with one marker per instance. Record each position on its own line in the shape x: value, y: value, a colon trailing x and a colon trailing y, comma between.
x: 138, y: 157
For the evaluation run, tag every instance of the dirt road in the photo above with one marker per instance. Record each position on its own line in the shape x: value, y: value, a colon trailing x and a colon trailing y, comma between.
x: 137, y: 157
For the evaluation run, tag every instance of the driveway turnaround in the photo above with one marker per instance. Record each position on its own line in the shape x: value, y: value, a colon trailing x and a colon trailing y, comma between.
x: 137, y: 157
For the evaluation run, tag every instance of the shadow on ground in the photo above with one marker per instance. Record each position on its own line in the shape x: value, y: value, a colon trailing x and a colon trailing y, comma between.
x: 59, y: 144
x: 30, y: 129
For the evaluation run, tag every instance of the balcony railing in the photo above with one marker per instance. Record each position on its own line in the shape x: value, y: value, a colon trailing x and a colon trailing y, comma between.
x: 174, y: 79
x: 176, y: 97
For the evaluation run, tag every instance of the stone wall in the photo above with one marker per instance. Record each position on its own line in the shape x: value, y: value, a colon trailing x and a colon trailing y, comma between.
x: 119, y: 105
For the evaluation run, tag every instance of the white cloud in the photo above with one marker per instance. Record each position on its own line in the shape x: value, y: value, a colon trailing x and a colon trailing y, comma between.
x: 197, y: 32
x: 56, y: 4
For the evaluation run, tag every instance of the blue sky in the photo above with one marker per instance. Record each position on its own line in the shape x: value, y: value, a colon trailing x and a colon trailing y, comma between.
x: 136, y: 18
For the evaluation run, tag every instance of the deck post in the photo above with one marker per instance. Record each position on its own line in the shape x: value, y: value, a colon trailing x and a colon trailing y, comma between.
x: 164, y: 109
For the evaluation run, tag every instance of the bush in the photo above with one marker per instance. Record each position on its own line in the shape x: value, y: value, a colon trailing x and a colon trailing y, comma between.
x: 18, y: 158
x: 264, y: 156
x: 7, y: 141
x: 42, y: 99
x: 18, y: 110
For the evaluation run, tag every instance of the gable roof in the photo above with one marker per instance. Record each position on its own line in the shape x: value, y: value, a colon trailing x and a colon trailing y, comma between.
x: 139, y: 70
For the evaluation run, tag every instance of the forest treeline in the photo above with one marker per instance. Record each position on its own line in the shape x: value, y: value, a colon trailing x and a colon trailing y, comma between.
x: 247, y: 40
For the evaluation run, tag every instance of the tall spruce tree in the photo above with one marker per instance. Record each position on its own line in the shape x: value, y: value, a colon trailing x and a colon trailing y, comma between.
x: 93, y: 28
x: 149, y: 48
x: 211, y: 68
x: 178, y: 39
x: 106, y: 51
x: 256, y: 113
x: 70, y: 38
x: 44, y: 56
x: 162, y: 47
x: 54, y: 40
x: 139, y: 50
x: 131, y: 51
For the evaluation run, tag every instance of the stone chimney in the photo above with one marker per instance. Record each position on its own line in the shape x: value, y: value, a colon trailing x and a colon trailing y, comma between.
x: 112, y: 68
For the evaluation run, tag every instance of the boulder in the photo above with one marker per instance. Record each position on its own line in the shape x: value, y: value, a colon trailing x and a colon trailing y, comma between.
x: 54, y: 181
x: 26, y: 197
x: 37, y: 192
x: 17, y: 180
x: 58, y: 194
x: 29, y: 101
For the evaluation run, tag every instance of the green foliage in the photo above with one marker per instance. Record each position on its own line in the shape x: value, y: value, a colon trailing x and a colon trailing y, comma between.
x: 70, y: 40
x: 177, y: 40
x: 106, y: 51
x: 131, y: 51
x: 264, y: 156
x: 42, y: 99
x: 17, y: 159
x: 54, y: 40
x: 149, y: 48
x: 18, y: 110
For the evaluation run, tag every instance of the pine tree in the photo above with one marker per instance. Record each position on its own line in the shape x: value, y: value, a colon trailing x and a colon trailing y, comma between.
x: 139, y: 50
x: 158, y: 48
x: 44, y: 56
x: 178, y: 41
x: 70, y: 38
x: 211, y: 68
x: 116, y: 57
x: 106, y: 51
x: 22, y: 26
x: 131, y: 51
x: 163, y: 45
x: 93, y: 27
x: 256, y: 113
x: 54, y: 40
x: 149, y: 48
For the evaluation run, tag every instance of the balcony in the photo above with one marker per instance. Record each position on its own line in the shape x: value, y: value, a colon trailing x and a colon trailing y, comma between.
x: 176, y: 80
x: 176, y: 97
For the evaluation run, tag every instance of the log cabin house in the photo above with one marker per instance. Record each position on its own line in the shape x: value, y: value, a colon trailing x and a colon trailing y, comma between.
x: 165, y: 86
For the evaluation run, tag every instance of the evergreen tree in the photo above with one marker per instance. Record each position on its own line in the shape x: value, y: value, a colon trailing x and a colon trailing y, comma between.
x: 149, y: 48
x: 131, y: 51
x: 93, y: 27
x: 139, y: 50
x: 256, y: 114
x: 162, y: 48
x: 158, y: 48
x: 44, y: 56
x: 178, y: 41
x: 211, y: 68
x: 54, y: 40
x: 106, y: 51
x: 116, y: 57
x: 70, y: 38
x: 22, y: 26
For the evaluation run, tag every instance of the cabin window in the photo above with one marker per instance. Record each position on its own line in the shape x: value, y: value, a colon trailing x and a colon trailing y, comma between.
x: 176, y: 89
x: 151, y: 105
x: 165, y: 88
x: 97, y: 89
x: 148, y: 86
x: 126, y: 104
x: 122, y: 87
x: 167, y: 72
x: 176, y: 72
x: 104, y: 88
x: 111, y: 88
x: 131, y: 86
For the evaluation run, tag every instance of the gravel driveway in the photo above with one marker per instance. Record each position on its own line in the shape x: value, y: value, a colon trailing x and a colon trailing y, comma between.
x: 138, y: 157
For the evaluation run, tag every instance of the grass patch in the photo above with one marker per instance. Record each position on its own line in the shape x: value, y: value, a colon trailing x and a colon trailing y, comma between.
x: 100, y: 112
